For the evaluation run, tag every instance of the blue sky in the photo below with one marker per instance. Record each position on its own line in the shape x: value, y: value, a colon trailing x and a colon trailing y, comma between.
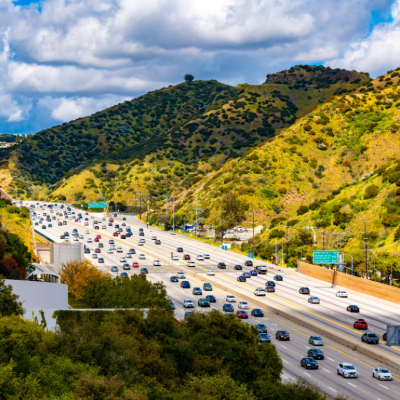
x: 63, y: 59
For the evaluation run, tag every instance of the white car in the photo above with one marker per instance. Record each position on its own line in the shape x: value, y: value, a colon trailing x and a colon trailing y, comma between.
x: 191, y: 264
x: 341, y: 293
x: 382, y: 374
x: 94, y: 255
x: 112, y: 247
x: 157, y: 263
x: 230, y: 299
x: 206, y: 256
x: 128, y: 255
x: 260, y: 292
x: 181, y: 275
x: 175, y: 257
x: 188, y: 304
x: 92, y: 217
x: 122, y: 259
x: 210, y: 272
x: 141, y: 244
x: 200, y: 257
x: 103, y: 227
x: 66, y: 240
x: 89, y: 240
x: 173, y: 233
x: 120, y: 249
x: 142, y: 256
x: 76, y: 239
x: 244, y: 305
x: 110, y: 251
x: 81, y: 237
x: 154, y: 238
x: 347, y: 370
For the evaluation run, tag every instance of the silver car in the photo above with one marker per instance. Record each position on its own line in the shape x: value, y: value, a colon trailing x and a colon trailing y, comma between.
x: 188, y: 304
x: 244, y: 305
x: 382, y: 374
x: 316, y: 341
x: 230, y: 299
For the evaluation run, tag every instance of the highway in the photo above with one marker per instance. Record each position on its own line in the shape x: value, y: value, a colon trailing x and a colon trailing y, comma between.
x: 330, y: 313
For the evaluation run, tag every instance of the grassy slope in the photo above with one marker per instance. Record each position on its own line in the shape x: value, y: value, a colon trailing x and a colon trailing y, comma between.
x: 361, y: 133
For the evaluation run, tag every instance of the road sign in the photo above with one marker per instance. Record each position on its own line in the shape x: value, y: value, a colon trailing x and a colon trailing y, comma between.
x: 393, y: 335
x: 325, y: 257
x: 97, y: 205
x: 250, y: 255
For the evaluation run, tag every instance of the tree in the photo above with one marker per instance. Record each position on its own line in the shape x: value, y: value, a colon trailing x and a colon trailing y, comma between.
x: 9, y: 304
x: 188, y: 77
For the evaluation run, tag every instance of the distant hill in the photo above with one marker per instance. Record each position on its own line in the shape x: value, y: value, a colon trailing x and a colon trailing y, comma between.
x: 7, y: 137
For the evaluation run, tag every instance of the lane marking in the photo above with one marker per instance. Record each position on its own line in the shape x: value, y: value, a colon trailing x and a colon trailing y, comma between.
x: 307, y: 374
x: 283, y: 346
x: 336, y: 391
x: 351, y: 384
x: 287, y: 362
x: 383, y: 386
x: 330, y: 359
x: 326, y: 370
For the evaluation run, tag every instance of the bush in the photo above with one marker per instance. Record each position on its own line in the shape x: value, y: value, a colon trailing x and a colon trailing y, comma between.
x: 9, y: 304
x: 276, y: 233
x: 391, y: 220
x: 371, y: 192
x: 302, y: 210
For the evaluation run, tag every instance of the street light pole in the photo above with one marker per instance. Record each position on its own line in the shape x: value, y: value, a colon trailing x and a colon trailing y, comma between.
x: 197, y: 209
x: 173, y: 214
x: 349, y: 255
x: 148, y: 201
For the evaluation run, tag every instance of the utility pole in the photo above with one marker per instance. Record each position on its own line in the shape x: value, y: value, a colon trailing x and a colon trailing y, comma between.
x: 366, y: 248
x: 140, y: 205
x: 173, y: 214
x: 148, y: 201
x: 166, y: 203
x: 197, y: 209
x: 282, y: 256
x: 287, y: 240
x: 276, y: 251
x: 323, y: 239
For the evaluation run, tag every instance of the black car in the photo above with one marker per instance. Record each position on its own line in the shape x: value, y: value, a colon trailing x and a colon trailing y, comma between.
x: 261, y: 328
x: 270, y: 289
x: 110, y: 224
x: 264, y: 338
x: 173, y: 279
x: 228, y: 308
x: 101, y: 260
x: 43, y: 226
x: 157, y: 241
x: 144, y: 271
x: 211, y: 298
x: 257, y: 313
x: 270, y: 283
x: 304, y: 290
x: 241, y: 278
x: 384, y: 337
x: 116, y: 226
x: 203, y: 303
x: 221, y: 265
x: 238, y: 267
x: 141, y: 233
x: 62, y: 237
x: 132, y: 251
x: 353, y: 309
x: 248, y: 263
x: 370, y: 338
x: 123, y: 236
x: 308, y: 363
x: 316, y: 354
x: 179, y: 250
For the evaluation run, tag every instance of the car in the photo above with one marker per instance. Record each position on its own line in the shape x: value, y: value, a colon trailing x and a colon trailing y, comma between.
x: 341, y: 293
x: 304, y: 290
x: 101, y: 245
x: 259, y: 292
x: 347, y: 370
x: 207, y: 287
x: 382, y: 374
x: 203, y: 303
x: 111, y: 241
x: 238, y: 267
x: 173, y: 278
x: 228, y: 308
x: 144, y: 271
x: 244, y: 305
x: 315, y: 341
x: 197, y: 291
x: 264, y: 338
x: 191, y: 264
x: 188, y: 304
x: 87, y: 250
x: 253, y: 272
x: 246, y: 275
x: 141, y: 233
x: 142, y: 256
x: 123, y: 236
x: 81, y: 237
x: 114, y: 268
x: 175, y: 257
x: 157, y: 241
x: 210, y: 272
x: 112, y: 247
x: 186, y: 257
x: 142, y: 241
x: 98, y: 236
x: 76, y: 239
x: 256, y: 312
x: 172, y: 305
x: 120, y: 250
x: 270, y: 289
x: 124, y: 275
x: 94, y: 256
x: 62, y: 237
x: 370, y: 338
x: 242, y: 314
x: 211, y: 298
x: 313, y: 300
x: 122, y: 259
x: 128, y: 255
x: 132, y: 251
x: 97, y: 250
x: 154, y: 238
x: 173, y: 233
x: 185, y: 285
x: 206, y: 256
x: 49, y: 225
x: 110, y: 251
x: 261, y: 328
x: 248, y: 263
x: 270, y: 283
x: 316, y: 354
x: 278, y: 278
x: 101, y: 260
x: 308, y: 363
x: 43, y: 226
x: 115, y: 234
x: 200, y: 257
x: 360, y: 324
x: 221, y: 265
x: 157, y: 263
x: 241, y: 278
x: 282, y: 335
x: 64, y: 222
x: 353, y: 309
x: 179, y: 249
x: 384, y: 337
x: 230, y: 298
x: 181, y: 275
x: 135, y: 265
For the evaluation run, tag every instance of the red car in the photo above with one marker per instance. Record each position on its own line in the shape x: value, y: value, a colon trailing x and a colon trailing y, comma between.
x: 111, y: 220
x: 97, y: 251
x: 282, y: 335
x: 115, y: 234
x: 242, y: 314
x: 186, y: 257
x: 98, y: 236
x: 77, y: 220
x: 96, y: 240
x: 135, y: 265
x: 360, y: 324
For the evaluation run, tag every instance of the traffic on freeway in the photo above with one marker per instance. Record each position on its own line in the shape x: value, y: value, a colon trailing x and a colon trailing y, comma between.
x: 119, y: 244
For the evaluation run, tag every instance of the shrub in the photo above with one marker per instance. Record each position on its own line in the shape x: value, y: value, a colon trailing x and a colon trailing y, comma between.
x: 397, y: 235
x: 371, y: 192
x: 391, y: 220
x: 283, y: 190
x: 276, y: 233
x: 302, y: 210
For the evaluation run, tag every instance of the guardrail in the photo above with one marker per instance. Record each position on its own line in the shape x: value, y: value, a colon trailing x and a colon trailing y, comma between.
x: 46, y: 237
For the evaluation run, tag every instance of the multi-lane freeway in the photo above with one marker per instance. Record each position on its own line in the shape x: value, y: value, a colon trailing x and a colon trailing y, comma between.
x: 330, y: 313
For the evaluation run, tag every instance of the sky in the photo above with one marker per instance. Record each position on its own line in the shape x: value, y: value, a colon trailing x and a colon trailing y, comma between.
x: 64, y: 59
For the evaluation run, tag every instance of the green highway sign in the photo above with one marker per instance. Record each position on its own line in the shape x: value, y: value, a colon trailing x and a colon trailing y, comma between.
x: 97, y: 205
x: 325, y: 257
